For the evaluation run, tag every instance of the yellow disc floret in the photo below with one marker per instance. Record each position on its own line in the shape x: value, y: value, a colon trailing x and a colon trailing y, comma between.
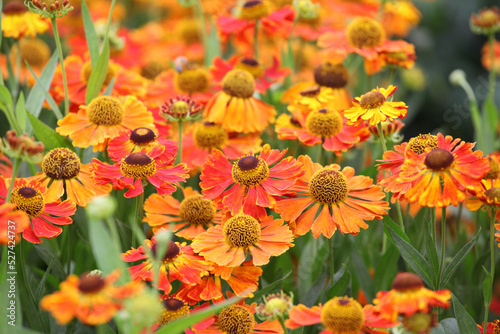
x: 254, y: 10
x: 421, y: 142
x: 29, y: 200
x: 250, y: 65
x: 153, y: 69
x: 61, y: 164
x: 138, y: 166
x: 209, y: 135
x: 197, y: 211
x: 343, y: 315
x: 250, y: 171
x: 328, y: 186
x: 241, y: 231
x: 331, y: 75
x: 87, y: 70
x: 173, y: 309
x: 105, y: 110
x: 33, y: 51
x: 365, y: 32
x: 236, y: 319
x: 192, y: 80
x: 238, y: 83
x: 324, y: 122
x: 494, y: 169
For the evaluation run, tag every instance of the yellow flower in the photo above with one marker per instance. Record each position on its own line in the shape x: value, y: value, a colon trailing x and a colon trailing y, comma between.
x: 18, y: 22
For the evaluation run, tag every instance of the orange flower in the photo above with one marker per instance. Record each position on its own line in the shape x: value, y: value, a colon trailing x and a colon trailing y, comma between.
x: 227, y: 244
x: 174, y: 308
x: 491, y: 327
x: 103, y: 119
x: 253, y: 181
x: 191, y: 217
x: 374, y: 107
x: 486, y: 58
x: 129, y: 142
x: 131, y: 171
x: 30, y: 197
x: 199, y: 140
x: 440, y: 176
x: 90, y: 298
x: 487, y: 195
x: 264, y: 77
x: 409, y: 296
x: 342, y: 200
x: 237, y: 319
x: 340, y: 315
x: 63, y: 172
x: 18, y: 22
x: 399, y: 17
x: 12, y: 223
x: 235, y: 108
x: 179, y: 263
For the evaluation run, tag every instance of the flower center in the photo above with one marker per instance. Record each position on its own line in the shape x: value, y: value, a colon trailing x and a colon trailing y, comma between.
x: 494, y: 169
x: 173, y: 309
x: 193, y: 80
x: 254, y: 10
x: 438, y: 159
x: 171, y: 252
x: 14, y: 7
x: 91, y: 283
x: 372, y: 99
x: 312, y: 91
x: 50, y: 5
x: 328, y: 186
x: 250, y: 65
x: 236, y: 319
x: 277, y: 305
x: 142, y: 136
x: 365, y: 32
x: 33, y: 51
x: 105, y: 110
x: 138, y: 166
x: 87, y: 70
x: 210, y: 135
x: 421, y: 142
x: 419, y: 322
x: 238, y: 83
x: 241, y: 231
x: 197, y: 211
x: 407, y: 281
x: 250, y: 171
x: 493, y: 194
x: 29, y: 200
x: 343, y: 315
x: 331, y: 75
x: 61, y: 164
x: 153, y: 69
x: 324, y: 122
x: 189, y: 31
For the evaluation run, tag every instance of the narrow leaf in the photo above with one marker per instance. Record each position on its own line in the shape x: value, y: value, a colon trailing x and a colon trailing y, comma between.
x: 21, y: 116
x: 262, y: 292
x: 432, y: 257
x: 110, y: 87
x: 47, y: 136
x: 465, y: 322
x: 388, y: 222
x: 48, y: 97
x: 98, y: 74
x: 364, y: 278
x: 487, y: 287
x: 490, y: 112
x: 386, y: 269
x: 341, y: 285
x: 90, y: 34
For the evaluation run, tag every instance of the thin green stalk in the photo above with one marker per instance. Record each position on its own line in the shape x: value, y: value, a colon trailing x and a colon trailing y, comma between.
x: 332, y: 262
x: 491, y: 90
x: 198, y: 12
x: 282, y: 322
x: 61, y: 61
x: 382, y: 138
x: 138, y: 214
x: 492, y: 265
x: 433, y: 224
x: 178, y: 158
x: 443, y: 244
x: 392, y: 71
x: 15, y: 170
x: 400, y: 215
x: 256, y: 40
x: 114, y: 232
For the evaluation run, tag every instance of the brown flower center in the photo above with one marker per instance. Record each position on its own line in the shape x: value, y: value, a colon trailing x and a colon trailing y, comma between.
x: 493, y: 194
x: 241, y: 231
x: 438, y: 159
x: 14, y: 8
x: 193, y: 80
x: 33, y: 51
x: 91, y: 283
x: 238, y: 83
x: 331, y: 75
x: 328, y: 186
x: 236, y: 319
x: 105, y: 111
x: 494, y: 169
x: 365, y: 32
x: 152, y: 69
x: 173, y: 309
x: 254, y: 10
x: 250, y: 171
x: 372, y: 99
x: 197, y: 211
x: 250, y: 65
x: 407, y: 281
x: 171, y: 252
x: 61, y: 164
x: 29, y: 200
x: 142, y: 136
x: 138, y: 166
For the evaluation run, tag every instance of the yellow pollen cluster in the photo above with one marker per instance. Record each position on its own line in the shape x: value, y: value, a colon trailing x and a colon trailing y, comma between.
x: 173, y: 309
x: 238, y: 83
x: 331, y: 75
x: 324, y: 122
x: 493, y: 194
x: 372, y: 99
x: 421, y: 142
x: 343, y: 315
x: 28, y: 200
x: 197, y: 211
x: 152, y: 69
x: 87, y: 70
x: 250, y: 65
x: 61, y: 164
x: 105, y: 110
x: 419, y: 322
x: 254, y: 10
x: 210, y: 135
x: 192, y: 80
x: 250, y: 171
x: 328, y: 186
x: 241, y: 231
x: 365, y: 32
x: 494, y: 169
x: 138, y: 166
x: 189, y: 31
x: 33, y: 51
x: 439, y: 159
x: 236, y: 319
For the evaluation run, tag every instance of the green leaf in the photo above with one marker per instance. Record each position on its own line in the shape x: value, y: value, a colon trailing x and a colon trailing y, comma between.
x: 364, y: 278
x: 431, y: 255
x: 411, y: 256
x: 98, y: 74
x: 47, y: 136
x: 341, y: 285
x: 34, y: 101
x: 48, y: 97
x: 7, y: 105
x: 90, y: 34
x: 457, y: 260
x: 386, y: 269
x: 446, y: 326
x: 110, y: 87
x: 39, y: 290
x: 487, y: 288
x: 22, y: 118
x: 465, y: 322
x: 490, y: 113
x: 262, y: 292
x: 389, y: 223
x: 180, y: 325
x: 478, y: 127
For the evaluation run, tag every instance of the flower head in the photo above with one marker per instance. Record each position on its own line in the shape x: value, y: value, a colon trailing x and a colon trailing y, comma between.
x: 49, y: 8
x: 275, y: 306
x: 180, y: 108
x: 18, y: 22
x: 486, y: 21
x: 23, y: 147
x: 12, y: 223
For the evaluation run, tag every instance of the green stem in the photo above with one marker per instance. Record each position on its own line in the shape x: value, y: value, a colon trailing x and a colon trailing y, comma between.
x: 114, y: 232
x: 178, y: 158
x: 61, y: 61
x: 15, y: 170
x: 491, y: 41
x: 291, y: 57
x: 198, y: 12
x: 138, y: 215
x: 256, y: 40
x: 443, y: 244
x: 282, y: 322
x: 332, y: 262
x: 392, y: 71
x: 382, y: 138
x: 400, y: 215
x: 433, y: 224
